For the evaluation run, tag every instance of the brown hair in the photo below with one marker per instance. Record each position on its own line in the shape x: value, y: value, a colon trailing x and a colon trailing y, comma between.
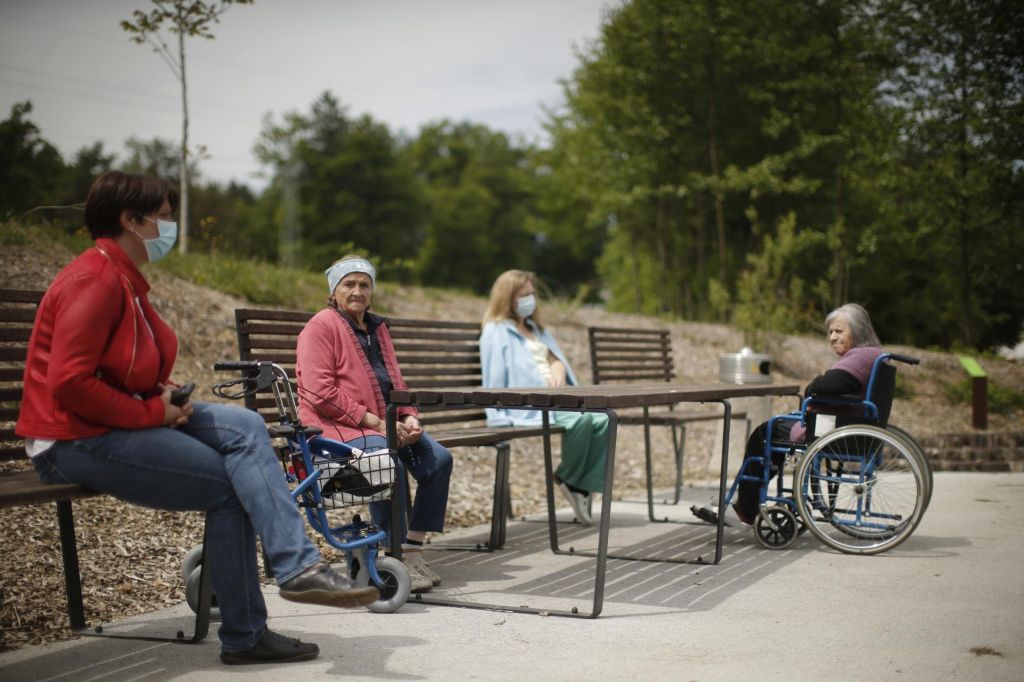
x: 501, y: 305
x: 115, y: 191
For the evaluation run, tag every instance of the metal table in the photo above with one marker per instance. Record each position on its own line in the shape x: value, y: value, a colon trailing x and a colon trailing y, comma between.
x: 602, y: 398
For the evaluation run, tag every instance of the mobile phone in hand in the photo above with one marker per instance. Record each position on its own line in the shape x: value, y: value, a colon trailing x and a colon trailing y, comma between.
x: 179, y: 396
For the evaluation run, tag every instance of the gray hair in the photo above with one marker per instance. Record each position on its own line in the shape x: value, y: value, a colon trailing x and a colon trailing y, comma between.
x: 860, y: 324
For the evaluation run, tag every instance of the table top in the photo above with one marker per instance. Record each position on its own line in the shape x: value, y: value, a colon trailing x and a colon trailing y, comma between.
x: 603, y: 396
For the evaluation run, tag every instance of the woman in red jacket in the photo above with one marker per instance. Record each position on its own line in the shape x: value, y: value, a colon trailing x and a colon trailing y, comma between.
x: 345, y: 367
x: 96, y: 411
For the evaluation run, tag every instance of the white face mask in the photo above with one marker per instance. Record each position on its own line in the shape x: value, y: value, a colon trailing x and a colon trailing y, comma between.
x: 526, y: 306
x: 161, y: 245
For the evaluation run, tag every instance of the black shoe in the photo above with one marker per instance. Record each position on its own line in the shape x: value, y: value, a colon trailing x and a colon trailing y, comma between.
x: 272, y: 648
x: 321, y: 584
x: 705, y: 514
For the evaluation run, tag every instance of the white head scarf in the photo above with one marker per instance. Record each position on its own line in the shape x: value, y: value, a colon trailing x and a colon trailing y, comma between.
x: 337, y: 272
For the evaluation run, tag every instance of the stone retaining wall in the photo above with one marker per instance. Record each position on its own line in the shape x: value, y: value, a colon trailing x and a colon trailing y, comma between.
x: 980, y: 451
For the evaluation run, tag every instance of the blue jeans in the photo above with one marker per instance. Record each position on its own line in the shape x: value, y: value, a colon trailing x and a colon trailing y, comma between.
x: 222, y: 463
x: 431, y: 467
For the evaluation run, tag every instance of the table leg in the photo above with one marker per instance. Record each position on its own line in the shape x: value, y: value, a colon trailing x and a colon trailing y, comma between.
x: 722, y: 480
x: 397, y: 490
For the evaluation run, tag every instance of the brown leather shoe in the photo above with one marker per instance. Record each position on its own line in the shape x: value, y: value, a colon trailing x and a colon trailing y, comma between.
x: 321, y: 584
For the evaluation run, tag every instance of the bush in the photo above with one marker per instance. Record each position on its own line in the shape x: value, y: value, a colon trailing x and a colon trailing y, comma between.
x: 1001, y: 399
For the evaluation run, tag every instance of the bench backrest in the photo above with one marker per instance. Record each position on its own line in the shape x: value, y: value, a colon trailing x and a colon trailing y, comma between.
x: 431, y: 354
x: 17, y: 315
x: 620, y: 355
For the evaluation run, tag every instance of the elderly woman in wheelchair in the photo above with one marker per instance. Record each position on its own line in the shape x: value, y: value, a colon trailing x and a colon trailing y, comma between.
x: 859, y: 484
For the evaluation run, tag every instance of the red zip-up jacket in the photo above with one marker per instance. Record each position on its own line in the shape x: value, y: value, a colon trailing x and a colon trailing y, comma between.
x: 97, y: 353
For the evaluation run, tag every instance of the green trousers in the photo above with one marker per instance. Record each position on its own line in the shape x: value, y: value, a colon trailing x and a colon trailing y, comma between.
x: 584, y: 448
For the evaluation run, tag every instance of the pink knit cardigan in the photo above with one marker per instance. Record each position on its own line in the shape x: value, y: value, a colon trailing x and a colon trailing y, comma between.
x: 336, y: 382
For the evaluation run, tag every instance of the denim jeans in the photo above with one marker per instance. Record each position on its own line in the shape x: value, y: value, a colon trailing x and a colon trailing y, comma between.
x: 431, y: 467
x: 222, y: 463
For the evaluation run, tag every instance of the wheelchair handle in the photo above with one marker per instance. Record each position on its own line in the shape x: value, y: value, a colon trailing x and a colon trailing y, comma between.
x: 905, y: 358
x: 227, y: 365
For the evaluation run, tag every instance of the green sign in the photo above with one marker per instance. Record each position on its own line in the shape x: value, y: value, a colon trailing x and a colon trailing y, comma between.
x: 972, y: 367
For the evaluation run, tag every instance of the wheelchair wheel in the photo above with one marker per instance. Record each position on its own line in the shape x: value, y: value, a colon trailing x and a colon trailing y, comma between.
x: 776, y: 527
x: 394, y: 587
x: 861, y: 489
x: 929, y: 478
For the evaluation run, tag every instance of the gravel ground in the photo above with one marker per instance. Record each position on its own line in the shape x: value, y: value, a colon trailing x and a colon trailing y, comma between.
x: 130, y: 556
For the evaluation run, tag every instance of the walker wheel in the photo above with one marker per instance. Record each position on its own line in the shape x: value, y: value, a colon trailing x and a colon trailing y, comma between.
x: 192, y: 595
x: 776, y: 527
x: 395, y: 585
x: 192, y: 558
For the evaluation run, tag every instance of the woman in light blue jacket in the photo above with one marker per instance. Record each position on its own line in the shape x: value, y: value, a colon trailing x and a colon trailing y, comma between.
x: 517, y: 352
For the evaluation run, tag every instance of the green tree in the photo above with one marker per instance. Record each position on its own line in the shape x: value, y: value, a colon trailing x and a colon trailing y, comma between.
x: 183, y: 18
x: 475, y: 184
x: 341, y: 183
x: 30, y: 167
x: 953, y: 212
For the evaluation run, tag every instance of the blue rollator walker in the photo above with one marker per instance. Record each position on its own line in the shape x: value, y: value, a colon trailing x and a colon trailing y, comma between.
x: 323, y: 475
x: 859, y: 484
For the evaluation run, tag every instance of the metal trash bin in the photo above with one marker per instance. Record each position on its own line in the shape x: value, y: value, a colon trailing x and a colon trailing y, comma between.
x: 745, y: 367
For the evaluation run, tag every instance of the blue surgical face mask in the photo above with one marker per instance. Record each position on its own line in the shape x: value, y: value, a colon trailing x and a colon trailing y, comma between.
x: 526, y: 306
x: 160, y: 246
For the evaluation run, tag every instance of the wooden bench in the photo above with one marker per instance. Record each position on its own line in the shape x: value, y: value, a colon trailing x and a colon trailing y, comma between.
x: 431, y: 354
x: 626, y: 355
x: 22, y: 486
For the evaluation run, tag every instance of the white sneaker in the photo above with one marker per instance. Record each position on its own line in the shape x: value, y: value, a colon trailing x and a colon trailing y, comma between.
x: 579, y: 504
x: 418, y: 565
x: 420, y: 575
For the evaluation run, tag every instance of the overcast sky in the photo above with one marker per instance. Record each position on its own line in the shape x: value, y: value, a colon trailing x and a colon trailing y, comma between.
x: 405, y: 62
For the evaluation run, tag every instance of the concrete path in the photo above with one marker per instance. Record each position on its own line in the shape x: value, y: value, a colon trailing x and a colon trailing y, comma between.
x: 947, y: 604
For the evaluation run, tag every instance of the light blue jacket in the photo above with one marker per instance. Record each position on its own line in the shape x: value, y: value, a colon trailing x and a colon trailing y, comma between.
x: 508, y: 363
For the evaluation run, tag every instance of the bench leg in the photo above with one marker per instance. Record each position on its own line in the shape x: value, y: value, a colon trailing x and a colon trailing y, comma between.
x: 72, y: 573
x: 73, y: 587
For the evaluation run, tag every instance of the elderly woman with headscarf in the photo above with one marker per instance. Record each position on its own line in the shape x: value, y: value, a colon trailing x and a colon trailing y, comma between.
x: 346, y: 368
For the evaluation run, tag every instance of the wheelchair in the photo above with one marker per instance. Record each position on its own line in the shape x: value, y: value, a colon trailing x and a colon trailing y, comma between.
x: 859, y: 485
x: 323, y: 475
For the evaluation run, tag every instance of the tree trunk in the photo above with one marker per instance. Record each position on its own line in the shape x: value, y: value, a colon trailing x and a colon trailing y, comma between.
x: 962, y: 70
x: 183, y: 206
x: 839, y: 255
x: 712, y: 133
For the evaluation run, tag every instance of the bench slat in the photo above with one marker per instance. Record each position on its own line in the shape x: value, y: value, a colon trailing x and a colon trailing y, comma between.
x: 399, y: 322
x: 23, y: 314
x: 21, y: 295
x: 24, y: 487
x: 10, y: 394
x: 15, y: 334
x: 244, y: 314
x: 13, y: 354
x: 12, y: 373
x: 403, y: 344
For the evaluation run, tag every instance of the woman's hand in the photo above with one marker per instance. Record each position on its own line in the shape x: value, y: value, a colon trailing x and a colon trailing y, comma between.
x: 409, y: 430
x: 372, y: 421
x: 558, y: 374
x: 174, y: 416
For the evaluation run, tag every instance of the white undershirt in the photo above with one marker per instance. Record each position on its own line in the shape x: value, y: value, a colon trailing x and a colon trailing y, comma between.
x: 540, y: 357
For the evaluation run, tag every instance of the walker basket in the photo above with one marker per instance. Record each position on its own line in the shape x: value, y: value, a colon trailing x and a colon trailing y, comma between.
x: 345, y: 482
